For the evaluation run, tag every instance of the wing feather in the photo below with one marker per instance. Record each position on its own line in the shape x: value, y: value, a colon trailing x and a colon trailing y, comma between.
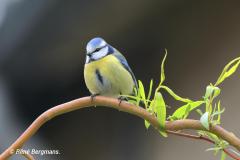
x: 124, y: 62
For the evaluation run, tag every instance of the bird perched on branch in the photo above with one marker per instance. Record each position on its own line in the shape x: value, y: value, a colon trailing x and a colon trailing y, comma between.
x: 106, y: 70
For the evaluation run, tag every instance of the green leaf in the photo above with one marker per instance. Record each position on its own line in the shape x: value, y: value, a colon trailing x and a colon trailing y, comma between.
x: 135, y: 100
x: 217, y: 91
x: 162, y: 78
x: 228, y: 70
x: 204, y: 120
x: 199, y: 111
x: 161, y: 112
x: 163, y: 133
x: 212, y: 91
x: 175, y: 96
x: 181, y: 111
x: 135, y: 91
x: 218, y: 112
x: 210, y: 135
x: 138, y: 100
x: 209, y: 91
x: 187, y: 111
x: 150, y: 89
x: 223, y: 155
x: 153, y: 106
x: 219, y: 109
x: 215, y: 149
x: 142, y: 92
x: 132, y: 102
x: 147, y: 124
x: 129, y: 96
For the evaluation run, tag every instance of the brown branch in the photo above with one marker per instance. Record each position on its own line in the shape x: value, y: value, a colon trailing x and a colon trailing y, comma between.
x: 199, y: 137
x: 124, y: 106
x: 28, y: 156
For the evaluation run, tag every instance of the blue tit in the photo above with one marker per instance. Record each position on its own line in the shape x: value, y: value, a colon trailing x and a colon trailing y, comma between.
x: 106, y: 70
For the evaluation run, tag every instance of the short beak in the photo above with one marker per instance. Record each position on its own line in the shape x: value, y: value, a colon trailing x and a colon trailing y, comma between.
x: 88, y: 54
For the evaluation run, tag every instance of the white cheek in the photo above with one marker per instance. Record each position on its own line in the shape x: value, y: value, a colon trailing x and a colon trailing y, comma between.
x: 100, y: 54
x: 103, y: 43
x: 87, y: 59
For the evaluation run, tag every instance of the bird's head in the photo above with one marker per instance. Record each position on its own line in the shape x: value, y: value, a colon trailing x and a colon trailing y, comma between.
x: 97, y: 48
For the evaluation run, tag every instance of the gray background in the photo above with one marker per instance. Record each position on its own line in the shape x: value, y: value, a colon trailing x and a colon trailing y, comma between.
x: 42, y: 46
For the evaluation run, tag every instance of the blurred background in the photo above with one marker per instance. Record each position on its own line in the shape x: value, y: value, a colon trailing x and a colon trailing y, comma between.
x: 42, y: 55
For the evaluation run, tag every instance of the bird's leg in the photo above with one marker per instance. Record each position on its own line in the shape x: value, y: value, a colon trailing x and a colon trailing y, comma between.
x: 122, y: 98
x: 94, y: 95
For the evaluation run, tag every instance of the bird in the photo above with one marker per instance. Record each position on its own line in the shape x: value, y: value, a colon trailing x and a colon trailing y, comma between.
x: 106, y: 71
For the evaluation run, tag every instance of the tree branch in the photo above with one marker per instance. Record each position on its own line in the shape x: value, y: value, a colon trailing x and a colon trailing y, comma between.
x: 124, y: 106
x: 197, y: 137
x: 28, y: 156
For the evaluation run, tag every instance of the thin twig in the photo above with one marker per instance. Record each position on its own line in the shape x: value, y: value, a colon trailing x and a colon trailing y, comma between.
x: 124, y: 106
x: 28, y: 156
x: 199, y: 137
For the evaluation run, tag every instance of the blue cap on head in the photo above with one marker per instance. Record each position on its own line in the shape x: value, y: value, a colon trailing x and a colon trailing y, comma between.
x: 95, y: 43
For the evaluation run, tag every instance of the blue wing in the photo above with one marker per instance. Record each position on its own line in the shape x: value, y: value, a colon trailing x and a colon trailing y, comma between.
x: 123, y: 61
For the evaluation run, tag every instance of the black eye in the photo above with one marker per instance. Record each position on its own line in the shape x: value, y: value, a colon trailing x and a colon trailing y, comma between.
x: 97, y: 49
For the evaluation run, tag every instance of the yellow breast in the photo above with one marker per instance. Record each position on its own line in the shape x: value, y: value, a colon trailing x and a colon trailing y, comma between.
x: 108, y: 77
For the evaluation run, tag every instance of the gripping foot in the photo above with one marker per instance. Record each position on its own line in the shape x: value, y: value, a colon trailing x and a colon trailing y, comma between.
x: 122, y: 98
x: 94, y: 95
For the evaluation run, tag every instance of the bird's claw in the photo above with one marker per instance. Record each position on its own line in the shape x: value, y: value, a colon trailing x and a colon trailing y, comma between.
x: 122, y: 98
x: 94, y: 95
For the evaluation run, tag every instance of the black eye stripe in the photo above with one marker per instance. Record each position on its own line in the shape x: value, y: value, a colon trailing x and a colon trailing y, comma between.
x: 98, y: 49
